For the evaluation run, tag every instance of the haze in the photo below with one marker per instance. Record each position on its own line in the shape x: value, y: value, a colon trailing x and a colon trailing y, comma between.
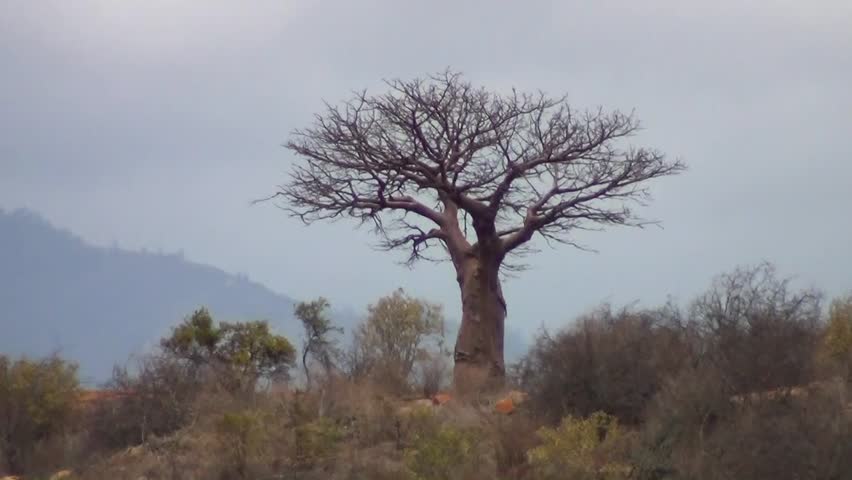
x: 154, y: 124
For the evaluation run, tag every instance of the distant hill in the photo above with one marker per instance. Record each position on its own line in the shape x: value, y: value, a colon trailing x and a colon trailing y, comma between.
x: 98, y: 306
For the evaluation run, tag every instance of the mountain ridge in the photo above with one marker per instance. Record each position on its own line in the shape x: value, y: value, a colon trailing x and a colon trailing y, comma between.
x: 100, y: 305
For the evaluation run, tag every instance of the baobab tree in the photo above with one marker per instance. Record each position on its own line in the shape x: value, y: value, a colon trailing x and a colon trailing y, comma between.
x: 438, y: 162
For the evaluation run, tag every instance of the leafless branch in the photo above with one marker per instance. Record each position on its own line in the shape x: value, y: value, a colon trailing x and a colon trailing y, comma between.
x: 446, y: 152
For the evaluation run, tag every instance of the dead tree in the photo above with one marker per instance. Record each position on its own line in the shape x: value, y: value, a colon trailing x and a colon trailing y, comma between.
x: 439, y: 162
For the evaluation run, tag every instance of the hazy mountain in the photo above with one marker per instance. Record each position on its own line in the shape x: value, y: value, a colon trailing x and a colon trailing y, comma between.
x: 99, y: 306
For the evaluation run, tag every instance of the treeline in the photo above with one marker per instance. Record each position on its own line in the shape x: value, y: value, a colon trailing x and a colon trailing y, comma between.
x: 749, y: 380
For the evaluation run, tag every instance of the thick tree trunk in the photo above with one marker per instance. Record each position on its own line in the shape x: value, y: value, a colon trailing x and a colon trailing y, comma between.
x: 478, y: 355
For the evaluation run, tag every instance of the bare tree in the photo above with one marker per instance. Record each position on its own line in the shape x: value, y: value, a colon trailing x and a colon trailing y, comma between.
x: 437, y: 161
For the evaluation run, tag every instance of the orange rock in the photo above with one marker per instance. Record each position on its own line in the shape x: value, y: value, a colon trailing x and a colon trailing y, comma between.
x: 441, y: 398
x: 505, y: 406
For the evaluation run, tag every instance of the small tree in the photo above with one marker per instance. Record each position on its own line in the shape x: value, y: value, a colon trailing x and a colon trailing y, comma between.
x: 237, y: 354
x: 318, y: 343
x: 37, y: 399
x: 395, y: 335
x: 440, y: 162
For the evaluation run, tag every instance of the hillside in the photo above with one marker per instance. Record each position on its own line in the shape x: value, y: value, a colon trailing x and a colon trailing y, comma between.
x: 99, y: 305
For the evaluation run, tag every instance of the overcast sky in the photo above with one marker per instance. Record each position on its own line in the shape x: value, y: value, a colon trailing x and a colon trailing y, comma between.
x: 154, y: 123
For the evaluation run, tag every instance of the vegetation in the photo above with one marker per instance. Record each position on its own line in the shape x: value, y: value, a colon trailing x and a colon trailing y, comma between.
x: 237, y: 354
x: 579, y: 448
x: 155, y: 399
x: 37, y: 399
x: 749, y: 380
x: 838, y: 336
x: 399, y: 332
x: 446, y: 453
x: 318, y: 341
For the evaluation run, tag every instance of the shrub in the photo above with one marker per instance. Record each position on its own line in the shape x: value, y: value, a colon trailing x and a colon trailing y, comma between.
x: 837, y: 343
x: 688, y: 408
x: 579, y: 448
x: 155, y: 400
x: 446, y: 453
x: 614, y: 361
x: 757, y: 331
x: 433, y: 372
x: 513, y: 436
x: 241, y: 437
x: 696, y: 431
x: 316, y: 442
x: 38, y: 399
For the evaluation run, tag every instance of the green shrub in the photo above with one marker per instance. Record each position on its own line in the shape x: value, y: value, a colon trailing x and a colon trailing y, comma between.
x: 316, y: 442
x: 446, y: 453
x: 579, y: 448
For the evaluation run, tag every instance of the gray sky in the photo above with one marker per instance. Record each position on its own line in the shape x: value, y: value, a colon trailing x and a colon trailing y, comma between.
x: 154, y: 123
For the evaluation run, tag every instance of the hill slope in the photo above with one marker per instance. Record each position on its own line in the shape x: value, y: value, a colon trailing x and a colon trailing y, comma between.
x: 99, y: 305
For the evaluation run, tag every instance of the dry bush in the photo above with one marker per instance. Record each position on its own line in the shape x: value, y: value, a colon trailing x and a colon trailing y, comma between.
x: 155, y: 400
x: 696, y: 431
x: 191, y: 453
x: 242, y: 438
x: 757, y: 331
x: 688, y: 408
x: 789, y: 438
x: 513, y: 436
x: 66, y: 451
x: 612, y: 361
x: 377, y: 463
x: 432, y: 373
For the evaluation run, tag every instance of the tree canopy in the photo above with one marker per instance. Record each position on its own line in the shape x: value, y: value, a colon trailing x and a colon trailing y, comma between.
x: 247, y: 350
x: 436, y: 159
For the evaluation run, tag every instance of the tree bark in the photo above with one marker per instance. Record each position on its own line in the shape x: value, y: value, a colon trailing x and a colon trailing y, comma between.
x: 305, y: 366
x: 479, y: 364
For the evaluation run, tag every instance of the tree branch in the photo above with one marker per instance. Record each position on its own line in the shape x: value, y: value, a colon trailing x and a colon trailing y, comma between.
x: 440, y: 149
